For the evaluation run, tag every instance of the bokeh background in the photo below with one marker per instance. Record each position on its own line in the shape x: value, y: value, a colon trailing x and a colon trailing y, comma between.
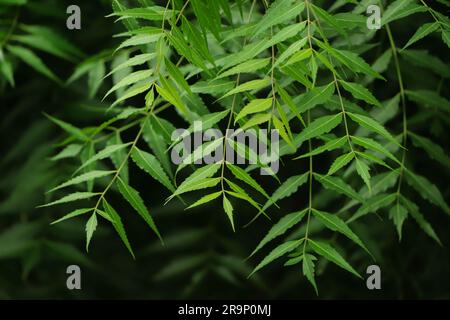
x: 202, y: 258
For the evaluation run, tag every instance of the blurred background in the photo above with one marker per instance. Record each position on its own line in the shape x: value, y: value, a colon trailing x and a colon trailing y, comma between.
x: 202, y: 257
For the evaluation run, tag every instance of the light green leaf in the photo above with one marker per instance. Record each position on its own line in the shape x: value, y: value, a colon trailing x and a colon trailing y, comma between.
x: 118, y: 226
x: 373, y: 204
x: 360, y: 93
x: 334, y: 223
x: 363, y: 171
x: 88, y: 176
x: 372, y: 125
x: 246, y: 67
x: 320, y: 126
x: 105, y: 153
x: 73, y: 214
x: 329, y: 253
x: 289, y: 187
x: 398, y: 214
x: 70, y: 198
x: 422, y: 32
x: 308, y: 269
x: 228, y: 208
x: 255, y: 106
x: 252, y: 85
x: 337, y: 184
x: 205, y: 199
x: 91, y: 226
x: 277, y: 252
x: 340, y: 162
x: 285, y: 223
x: 242, y: 175
x: 135, y: 200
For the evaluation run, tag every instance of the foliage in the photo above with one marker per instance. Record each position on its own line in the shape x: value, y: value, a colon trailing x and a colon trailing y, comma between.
x: 356, y: 110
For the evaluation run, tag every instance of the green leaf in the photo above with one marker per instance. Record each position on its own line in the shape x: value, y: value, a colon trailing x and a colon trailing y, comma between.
x: 420, y: 219
x: 280, y: 11
x: 256, y: 120
x: 373, y: 204
x: 289, y: 187
x: 334, y: 223
x: 337, y: 184
x: 135, y: 200
x: 329, y: 253
x: 70, y: 198
x: 434, y: 151
x: 152, y: 166
x: 255, y: 106
x: 33, y: 61
x: 372, y: 125
x: 140, y: 39
x: 285, y: 223
x: 375, y: 146
x: 292, y: 49
x: 394, y: 10
x: 314, y: 97
x: 91, y: 226
x: 308, y: 269
x: 134, y: 61
x: 105, y: 153
x: 279, y: 251
x: 446, y: 37
x: 205, y: 199
x: 360, y: 93
x: 340, y: 162
x: 154, y: 13
x: 320, y: 126
x: 130, y: 79
x: 198, y: 180
x: 328, y: 146
x: 422, y: 32
x: 429, y: 99
x: 398, y: 214
x: 73, y: 214
x: 363, y: 171
x: 118, y: 226
x: 228, y: 208
x: 72, y: 130
x: 242, y: 175
x: 88, y: 176
x: 252, y: 85
x: 427, y: 190
x: 246, y: 67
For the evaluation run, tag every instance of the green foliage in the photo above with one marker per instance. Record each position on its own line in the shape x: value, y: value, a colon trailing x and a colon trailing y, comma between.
x: 351, y: 107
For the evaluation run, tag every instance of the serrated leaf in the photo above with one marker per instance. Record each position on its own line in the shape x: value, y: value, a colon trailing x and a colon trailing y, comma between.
x: 70, y: 198
x: 91, y: 226
x: 242, y: 175
x: 337, y: 184
x: 314, y: 97
x: 152, y: 166
x: 423, y: 31
x: 308, y: 269
x: 334, y: 223
x: 288, y: 187
x: 69, y: 128
x: 434, y: 150
x: 373, y: 204
x: 73, y: 214
x: 375, y: 146
x: 329, y: 253
x: 320, y: 126
x: 255, y: 106
x: 413, y: 210
x: 372, y: 125
x: 340, y: 162
x: 285, y: 223
x: 248, y: 86
x: 398, y: 214
x: 135, y: 200
x: 105, y: 153
x: 228, y: 208
x: 328, y: 146
x: 118, y: 226
x: 426, y: 189
x: 205, y: 199
x: 246, y: 67
x: 363, y: 171
x: 360, y: 93
x: 88, y: 176
x: 277, y: 252
x: 130, y: 79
